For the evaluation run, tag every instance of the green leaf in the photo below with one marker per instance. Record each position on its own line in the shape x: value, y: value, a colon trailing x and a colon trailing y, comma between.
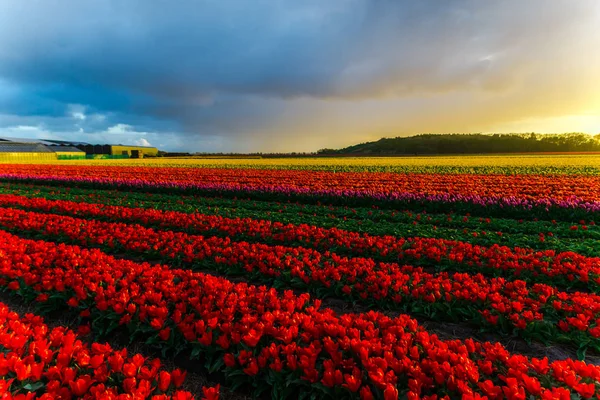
x: 34, y: 386
x: 581, y: 352
x: 195, y: 352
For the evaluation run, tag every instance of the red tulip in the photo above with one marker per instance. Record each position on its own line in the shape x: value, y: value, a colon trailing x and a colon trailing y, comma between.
x: 164, y: 381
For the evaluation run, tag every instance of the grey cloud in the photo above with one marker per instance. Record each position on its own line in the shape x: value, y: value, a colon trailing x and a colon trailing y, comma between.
x: 248, y: 70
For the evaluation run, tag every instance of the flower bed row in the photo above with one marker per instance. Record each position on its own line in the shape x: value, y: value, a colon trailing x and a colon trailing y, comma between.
x: 328, y: 214
x: 39, y: 362
x: 203, y: 204
x: 565, y: 196
x: 582, y: 237
x: 528, y: 187
x: 534, y: 311
x: 286, y: 342
x: 561, y: 269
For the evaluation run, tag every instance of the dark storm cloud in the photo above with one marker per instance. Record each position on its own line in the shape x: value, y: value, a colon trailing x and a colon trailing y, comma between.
x: 246, y: 69
x: 185, y: 50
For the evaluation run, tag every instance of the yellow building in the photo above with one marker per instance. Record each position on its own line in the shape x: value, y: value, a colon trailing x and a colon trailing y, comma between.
x: 17, y: 152
x: 67, y: 152
x: 49, y: 149
x: 118, y: 150
x: 131, y: 151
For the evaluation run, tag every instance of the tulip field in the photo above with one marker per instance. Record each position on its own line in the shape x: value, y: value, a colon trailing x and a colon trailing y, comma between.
x: 324, y: 281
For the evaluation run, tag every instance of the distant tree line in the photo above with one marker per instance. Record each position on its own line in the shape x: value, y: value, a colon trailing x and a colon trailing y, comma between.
x: 473, y: 144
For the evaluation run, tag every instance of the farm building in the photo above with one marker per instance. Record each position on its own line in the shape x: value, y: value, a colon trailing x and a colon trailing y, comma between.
x: 61, y: 149
x: 119, y: 150
x: 64, y: 152
x: 17, y: 151
x: 141, y: 151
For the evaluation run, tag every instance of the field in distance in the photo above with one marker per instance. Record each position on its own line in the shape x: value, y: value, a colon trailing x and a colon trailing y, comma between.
x: 572, y: 164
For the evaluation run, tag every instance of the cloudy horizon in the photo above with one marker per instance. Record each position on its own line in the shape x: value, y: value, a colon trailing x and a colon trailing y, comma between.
x: 221, y: 76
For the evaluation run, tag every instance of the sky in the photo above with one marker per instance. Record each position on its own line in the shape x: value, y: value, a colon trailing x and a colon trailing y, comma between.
x: 295, y: 75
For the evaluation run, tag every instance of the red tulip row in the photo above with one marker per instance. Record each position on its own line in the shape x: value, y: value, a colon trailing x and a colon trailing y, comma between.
x: 581, y: 237
x: 538, y: 311
x: 44, y: 363
x: 556, y: 268
x: 328, y: 215
x: 564, y: 196
x: 531, y: 187
x: 284, y: 341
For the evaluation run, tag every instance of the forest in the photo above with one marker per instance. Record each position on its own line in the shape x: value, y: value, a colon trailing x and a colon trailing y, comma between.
x: 474, y: 144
